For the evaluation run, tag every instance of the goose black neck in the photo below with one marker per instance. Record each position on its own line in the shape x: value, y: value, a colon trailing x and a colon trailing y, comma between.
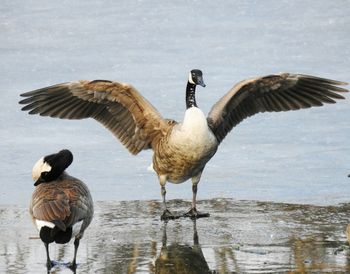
x: 190, y: 95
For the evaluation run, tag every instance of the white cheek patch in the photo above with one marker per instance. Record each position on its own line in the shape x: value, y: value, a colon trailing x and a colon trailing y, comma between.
x: 39, y: 167
x: 190, y: 79
x: 40, y: 223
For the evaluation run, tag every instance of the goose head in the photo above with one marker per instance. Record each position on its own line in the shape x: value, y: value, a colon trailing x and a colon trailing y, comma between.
x: 50, y: 167
x: 196, y: 77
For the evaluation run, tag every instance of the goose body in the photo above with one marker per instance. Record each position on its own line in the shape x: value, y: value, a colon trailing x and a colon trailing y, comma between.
x: 181, y: 150
x: 61, y: 206
x: 189, y: 146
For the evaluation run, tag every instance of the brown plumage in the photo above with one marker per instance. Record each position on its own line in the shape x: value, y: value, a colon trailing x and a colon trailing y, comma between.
x: 61, y: 206
x: 119, y: 107
x: 181, y: 150
x: 273, y: 93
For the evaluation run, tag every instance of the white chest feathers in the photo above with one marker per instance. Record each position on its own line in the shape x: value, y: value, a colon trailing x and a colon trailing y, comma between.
x: 194, y: 131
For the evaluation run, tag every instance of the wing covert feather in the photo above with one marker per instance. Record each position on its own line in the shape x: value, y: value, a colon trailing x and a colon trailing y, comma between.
x: 272, y: 93
x: 118, y: 106
x: 63, y: 202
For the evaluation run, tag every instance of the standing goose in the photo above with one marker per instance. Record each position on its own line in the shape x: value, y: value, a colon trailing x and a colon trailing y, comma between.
x: 181, y: 150
x: 61, y: 206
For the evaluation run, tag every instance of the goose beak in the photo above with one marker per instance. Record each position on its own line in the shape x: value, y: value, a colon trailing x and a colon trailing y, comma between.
x: 201, y: 82
x: 39, y: 181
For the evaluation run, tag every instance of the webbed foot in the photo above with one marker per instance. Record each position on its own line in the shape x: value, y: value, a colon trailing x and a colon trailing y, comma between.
x: 167, y: 215
x: 72, y: 266
x: 194, y: 214
x: 50, y: 264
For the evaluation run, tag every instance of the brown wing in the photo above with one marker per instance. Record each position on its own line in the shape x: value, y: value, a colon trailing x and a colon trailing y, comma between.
x: 62, y: 202
x: 81, y: 204
x: 281, y: 92
x: 118, y: 106
x: 51, y: 205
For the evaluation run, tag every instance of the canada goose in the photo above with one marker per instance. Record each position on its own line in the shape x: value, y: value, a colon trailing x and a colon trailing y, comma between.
x: 61, y: 206
x: 181, y: 150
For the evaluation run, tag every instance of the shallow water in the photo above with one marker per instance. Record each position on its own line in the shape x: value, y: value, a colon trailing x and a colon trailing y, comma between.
x: 238, y: 237
x: 298, y: 157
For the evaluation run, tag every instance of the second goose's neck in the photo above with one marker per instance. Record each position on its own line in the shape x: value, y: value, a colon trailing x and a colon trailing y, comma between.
x: 190, y: 95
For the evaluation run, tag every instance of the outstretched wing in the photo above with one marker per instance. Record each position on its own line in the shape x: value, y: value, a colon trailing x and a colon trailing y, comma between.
x: 280, y: 92
x: 118, y: 106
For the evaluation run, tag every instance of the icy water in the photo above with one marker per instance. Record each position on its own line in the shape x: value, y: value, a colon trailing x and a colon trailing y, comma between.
x: 239, y: 237
x: 300, y: 158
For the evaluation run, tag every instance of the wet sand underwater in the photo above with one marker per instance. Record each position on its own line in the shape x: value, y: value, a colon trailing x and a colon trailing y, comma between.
x: 238, y: 237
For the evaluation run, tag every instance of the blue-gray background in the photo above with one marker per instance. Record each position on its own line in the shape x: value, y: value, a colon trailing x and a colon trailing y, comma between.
x: 299, y: 157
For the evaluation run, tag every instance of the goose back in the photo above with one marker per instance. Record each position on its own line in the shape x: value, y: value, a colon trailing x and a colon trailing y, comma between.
x: 63, y: 202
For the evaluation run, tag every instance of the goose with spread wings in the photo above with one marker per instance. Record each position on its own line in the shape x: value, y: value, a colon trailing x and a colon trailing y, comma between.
x: 181, y: 150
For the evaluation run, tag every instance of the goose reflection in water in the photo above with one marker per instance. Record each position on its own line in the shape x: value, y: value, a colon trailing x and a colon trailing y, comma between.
x: 181, y: 258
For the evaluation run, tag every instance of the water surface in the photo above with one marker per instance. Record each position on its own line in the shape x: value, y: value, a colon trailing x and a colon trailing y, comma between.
x: 238, y: 237
x: 298, y: 157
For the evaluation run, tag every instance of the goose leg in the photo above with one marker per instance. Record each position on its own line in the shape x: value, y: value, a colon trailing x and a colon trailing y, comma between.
x: 73, y: 264
x: 49, y: 263
x: 167, y: 215
x: 193, y: 212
